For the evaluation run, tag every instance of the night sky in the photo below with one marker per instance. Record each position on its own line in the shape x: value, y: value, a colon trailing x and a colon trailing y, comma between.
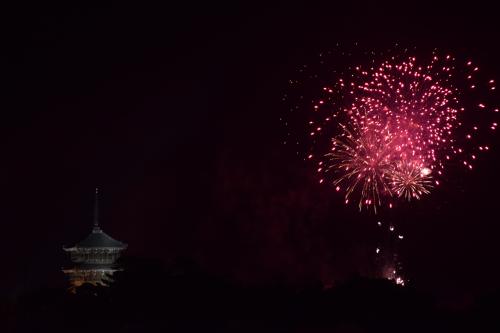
x: 174, y: 113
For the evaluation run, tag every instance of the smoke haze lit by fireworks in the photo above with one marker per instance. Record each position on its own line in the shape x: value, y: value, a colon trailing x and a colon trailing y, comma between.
x: 380, y: 128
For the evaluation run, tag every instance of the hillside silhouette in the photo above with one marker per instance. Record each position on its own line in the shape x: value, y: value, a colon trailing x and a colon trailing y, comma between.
x: 150, y: 297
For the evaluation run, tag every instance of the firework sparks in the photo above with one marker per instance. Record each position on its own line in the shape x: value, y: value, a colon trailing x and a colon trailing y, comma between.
x: 386, y: 129
x: 361, y: 162
x: 410, y: 181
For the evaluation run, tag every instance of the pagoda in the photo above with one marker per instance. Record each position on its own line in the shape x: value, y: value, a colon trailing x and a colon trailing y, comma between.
x: 94, y: 258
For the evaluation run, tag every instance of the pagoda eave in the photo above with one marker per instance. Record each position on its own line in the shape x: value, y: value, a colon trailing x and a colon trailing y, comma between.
x: 77, y: 248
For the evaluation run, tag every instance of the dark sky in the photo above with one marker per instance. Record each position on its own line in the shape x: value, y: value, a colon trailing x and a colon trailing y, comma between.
x: 174, y: 112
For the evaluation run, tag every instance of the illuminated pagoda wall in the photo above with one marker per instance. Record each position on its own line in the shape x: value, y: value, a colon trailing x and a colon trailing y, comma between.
x: 94, y: 258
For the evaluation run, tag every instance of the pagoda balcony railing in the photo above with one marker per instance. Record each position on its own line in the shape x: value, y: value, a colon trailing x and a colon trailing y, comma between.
x: 95, y: 258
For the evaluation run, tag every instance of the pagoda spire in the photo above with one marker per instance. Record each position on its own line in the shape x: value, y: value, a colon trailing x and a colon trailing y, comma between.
x: 96, y: 210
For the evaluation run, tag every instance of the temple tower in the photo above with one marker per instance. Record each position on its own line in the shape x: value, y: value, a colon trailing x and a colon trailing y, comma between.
x: 94, y: 258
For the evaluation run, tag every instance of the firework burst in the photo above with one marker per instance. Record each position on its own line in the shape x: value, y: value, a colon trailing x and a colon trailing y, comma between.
x: 362, y: 164
x: 411, y: 181
x: 385, y: 129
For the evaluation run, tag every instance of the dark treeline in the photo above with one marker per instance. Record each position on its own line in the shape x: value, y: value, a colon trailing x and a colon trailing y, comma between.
x: 149, y: 298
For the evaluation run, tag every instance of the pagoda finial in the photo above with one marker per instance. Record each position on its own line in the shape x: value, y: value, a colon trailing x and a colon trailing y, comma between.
x: 96, y: 209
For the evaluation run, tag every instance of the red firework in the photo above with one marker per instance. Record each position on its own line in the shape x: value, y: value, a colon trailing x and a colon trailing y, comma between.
x: 393, y: 126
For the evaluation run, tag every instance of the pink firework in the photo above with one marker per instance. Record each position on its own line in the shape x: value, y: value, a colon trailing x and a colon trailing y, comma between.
x: 386, y: 131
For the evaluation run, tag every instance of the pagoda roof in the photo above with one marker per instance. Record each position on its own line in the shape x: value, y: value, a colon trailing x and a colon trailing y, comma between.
x: 99, y: 239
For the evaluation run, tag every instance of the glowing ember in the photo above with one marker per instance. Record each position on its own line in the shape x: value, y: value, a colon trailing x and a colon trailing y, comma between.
x: 425, y: 172
x: 400, y: 281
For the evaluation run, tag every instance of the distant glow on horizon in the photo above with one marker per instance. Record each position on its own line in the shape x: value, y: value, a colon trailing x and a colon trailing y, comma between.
x: 390, y: 273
